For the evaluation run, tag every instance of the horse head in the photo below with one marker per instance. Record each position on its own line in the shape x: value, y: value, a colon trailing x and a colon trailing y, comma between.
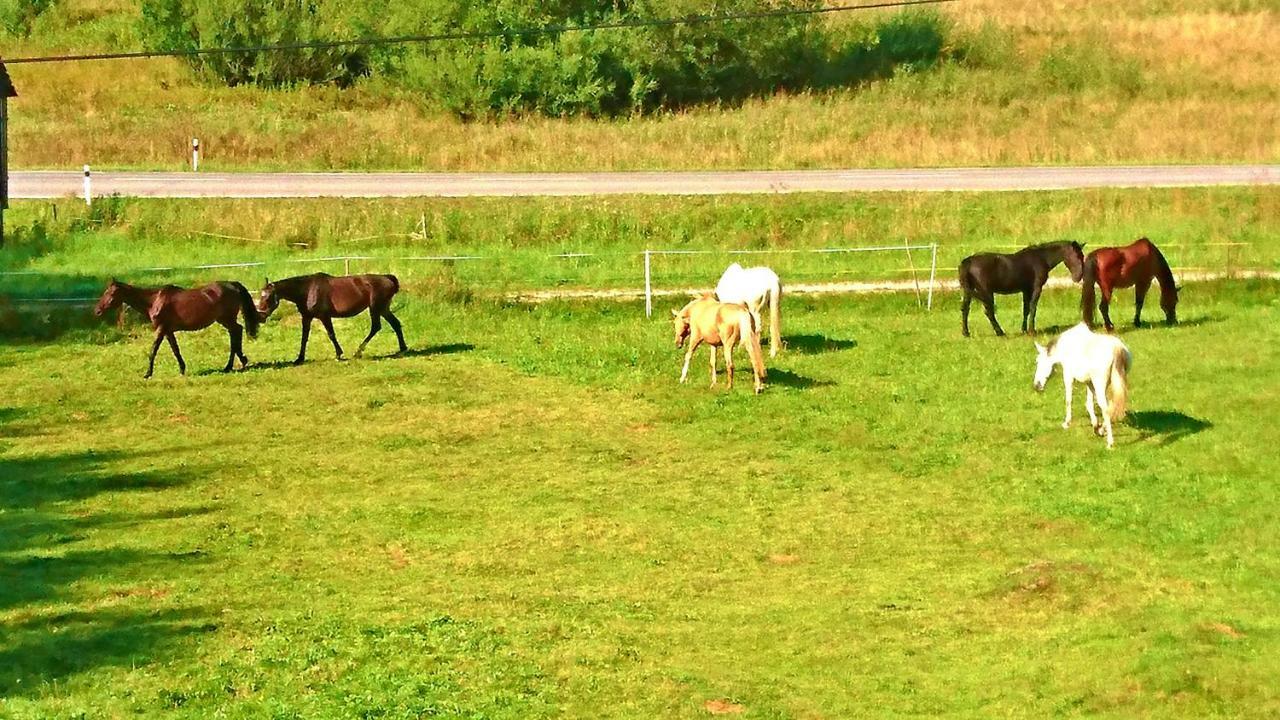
x: 1044, y: 367
x: 1074, y: 258
x: 680, y: 321
x: 1169, y: 304
x: 110, y: 298
x: 268, y: 299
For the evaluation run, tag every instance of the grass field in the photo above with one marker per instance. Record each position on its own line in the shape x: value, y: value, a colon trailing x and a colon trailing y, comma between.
x: 64, y: 250
x: 1082, y: 81
x: 528, y: 517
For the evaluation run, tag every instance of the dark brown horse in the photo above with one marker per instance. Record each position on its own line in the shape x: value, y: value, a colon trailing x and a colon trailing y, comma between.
x: 1135, y: 266
x: 172, y: 309
x: 986, y: 274
x: 324, y: 297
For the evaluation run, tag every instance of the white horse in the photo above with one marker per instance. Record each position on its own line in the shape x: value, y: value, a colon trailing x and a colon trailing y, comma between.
x: 752, y: 286
x: 1101, y: 362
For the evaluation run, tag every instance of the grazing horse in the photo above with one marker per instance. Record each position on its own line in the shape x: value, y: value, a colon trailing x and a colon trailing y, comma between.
x: 324, y: 297
x: 986, y: 274
x: 1101, y: 362
x: 719, y: 325
x: 753, y: 286
x: 172, y: 309
x: 1133, y: 266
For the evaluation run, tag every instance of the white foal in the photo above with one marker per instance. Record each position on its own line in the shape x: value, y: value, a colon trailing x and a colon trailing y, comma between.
x: 1101, y: 362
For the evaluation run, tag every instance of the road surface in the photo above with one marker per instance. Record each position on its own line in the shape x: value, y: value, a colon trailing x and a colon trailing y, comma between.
x: 28, y: 184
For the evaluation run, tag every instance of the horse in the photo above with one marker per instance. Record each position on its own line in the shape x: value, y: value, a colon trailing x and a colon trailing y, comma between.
x: 172, y: 309
x: 1101, y: 362
x: 705, y: 320
x: 986, y: 274
x: 752, y: 286
x: 1133, y: 265
x: 323, y: 297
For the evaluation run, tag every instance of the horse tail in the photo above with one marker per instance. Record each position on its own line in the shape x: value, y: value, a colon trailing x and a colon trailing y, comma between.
x: 395, y: 284
x: 248, y: 309
x: 1088, y: 293
x: 751, y: 330
x: 775, y: 319
x: 1118, y: 392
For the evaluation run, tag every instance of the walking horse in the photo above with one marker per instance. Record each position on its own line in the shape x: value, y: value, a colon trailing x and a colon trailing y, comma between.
x: 323, y: 297
x: 723, y: 325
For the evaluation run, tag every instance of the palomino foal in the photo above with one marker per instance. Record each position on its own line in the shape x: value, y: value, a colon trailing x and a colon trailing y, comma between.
x: 719, y: 325
x: 1101, y: 362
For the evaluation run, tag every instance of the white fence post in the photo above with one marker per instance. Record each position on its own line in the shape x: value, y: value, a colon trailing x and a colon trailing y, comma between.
x: 933, y: 273
x: 195, y: 154
x: 906, y: 245
x: 88, y: 194
x: 648, y: 286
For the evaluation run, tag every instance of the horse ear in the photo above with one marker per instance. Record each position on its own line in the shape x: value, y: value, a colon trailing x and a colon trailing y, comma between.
x: 1040, y: 349
x: 675, y: 313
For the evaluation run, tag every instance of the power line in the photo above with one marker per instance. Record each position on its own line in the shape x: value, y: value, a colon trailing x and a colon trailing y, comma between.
x: 472, y: 35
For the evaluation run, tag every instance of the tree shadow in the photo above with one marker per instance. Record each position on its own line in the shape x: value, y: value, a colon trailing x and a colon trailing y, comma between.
x: 786, y: 378
x: 55, y: 554
x: 1167, y: 425
x: 814, y: 344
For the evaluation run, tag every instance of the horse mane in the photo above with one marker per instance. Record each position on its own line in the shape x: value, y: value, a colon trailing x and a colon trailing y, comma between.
x: 1164, y: 274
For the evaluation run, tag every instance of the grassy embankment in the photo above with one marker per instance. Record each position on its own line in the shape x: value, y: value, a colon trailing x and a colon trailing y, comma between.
x: 1075, y: 82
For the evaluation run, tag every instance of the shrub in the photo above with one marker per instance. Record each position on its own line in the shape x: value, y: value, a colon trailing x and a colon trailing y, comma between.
x: 18, y: 17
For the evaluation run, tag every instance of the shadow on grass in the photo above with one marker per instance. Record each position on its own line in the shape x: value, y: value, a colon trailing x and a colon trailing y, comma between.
x: 55, y: 553
x: 814, y: 344
x: 786, y: 378
x: 1167, y: 425
x: 428, y: 351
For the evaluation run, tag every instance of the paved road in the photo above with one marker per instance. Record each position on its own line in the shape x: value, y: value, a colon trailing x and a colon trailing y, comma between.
x: 49, y: 184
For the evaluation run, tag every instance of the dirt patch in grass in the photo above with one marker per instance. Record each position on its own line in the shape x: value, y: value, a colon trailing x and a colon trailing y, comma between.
x: 723, y: 707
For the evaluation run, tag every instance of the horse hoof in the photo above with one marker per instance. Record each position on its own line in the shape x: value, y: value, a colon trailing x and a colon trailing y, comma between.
x: 1066, y: 426
x: 299, y: 361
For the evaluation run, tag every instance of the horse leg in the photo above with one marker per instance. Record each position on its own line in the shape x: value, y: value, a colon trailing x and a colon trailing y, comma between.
x: 233, y: 331
x: 688, y: 355
x: 728, y: 362
x: 713, y: 367
x: 374, y: 326
x: 1035, y: 303
x: 306, y: 333
x: 1139, y: 296
x: 395, y: 325
x: 333, y: 338
x: 1066, y: 393
x: 989, y: 303
x: 1088, y: 403
x: 1026, y: 309
x: 1100, y: 392
x: 173, y: 345
x: 239, y: 347
x: 964, y: 312
x: 1105, y: 307
x: 155, y: 346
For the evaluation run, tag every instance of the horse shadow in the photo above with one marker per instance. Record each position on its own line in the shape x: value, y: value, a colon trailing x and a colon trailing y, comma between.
x: 786, y: 378
x: 428, y: 351
x: 1167, y: 425
x: 814, y: 344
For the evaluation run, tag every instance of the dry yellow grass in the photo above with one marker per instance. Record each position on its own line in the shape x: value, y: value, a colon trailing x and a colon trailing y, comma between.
x: 1204, y: 90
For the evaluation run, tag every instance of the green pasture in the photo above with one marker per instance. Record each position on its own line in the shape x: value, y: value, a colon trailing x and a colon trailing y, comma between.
x: 528, y: 517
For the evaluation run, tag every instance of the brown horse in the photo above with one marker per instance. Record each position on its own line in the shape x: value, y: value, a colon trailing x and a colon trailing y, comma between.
x: 1135, y: 266
x: 324, y: 297
x: 718, y: 324
x: 172, y: 309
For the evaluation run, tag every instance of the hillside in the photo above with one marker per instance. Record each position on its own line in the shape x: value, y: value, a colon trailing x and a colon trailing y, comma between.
x: 1018, y: 82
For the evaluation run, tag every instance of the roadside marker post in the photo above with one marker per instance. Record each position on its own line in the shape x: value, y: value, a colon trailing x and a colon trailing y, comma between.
x: 88, y: 189
x: 195, y: 154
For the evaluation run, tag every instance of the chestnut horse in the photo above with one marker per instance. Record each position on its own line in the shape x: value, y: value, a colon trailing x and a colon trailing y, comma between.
x: 1133, y: 266
x: 718, y: 324
x: 172, y: 309
x: 323, y: 297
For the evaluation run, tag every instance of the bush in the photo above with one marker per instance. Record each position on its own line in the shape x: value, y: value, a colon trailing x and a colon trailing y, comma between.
x: 18, y: 17
x: 556, y: 73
